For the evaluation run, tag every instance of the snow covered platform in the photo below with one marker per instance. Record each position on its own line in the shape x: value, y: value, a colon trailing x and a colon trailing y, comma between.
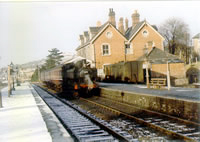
x: 25, y: 117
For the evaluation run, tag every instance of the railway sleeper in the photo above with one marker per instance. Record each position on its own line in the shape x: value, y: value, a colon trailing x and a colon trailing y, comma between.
x: 100, y: 139
x: 79, y: 127
x: 92, y: 135
x: 87, y: 130
x: 153, y: 125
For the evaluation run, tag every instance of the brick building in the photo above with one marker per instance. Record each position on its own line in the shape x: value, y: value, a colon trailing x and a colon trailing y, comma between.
x: 158, y: 66
x: 196, y: 43
x: 107, y: 44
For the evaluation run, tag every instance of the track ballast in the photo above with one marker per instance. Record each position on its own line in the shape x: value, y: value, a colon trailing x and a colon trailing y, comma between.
x: 83, y: 126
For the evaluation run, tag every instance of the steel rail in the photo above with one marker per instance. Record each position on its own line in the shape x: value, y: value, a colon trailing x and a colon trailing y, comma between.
x: 109, y: 130
x: 158, y: 113
x: 141, y: 121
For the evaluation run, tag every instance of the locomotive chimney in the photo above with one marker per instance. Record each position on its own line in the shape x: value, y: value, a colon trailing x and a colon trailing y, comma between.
x: 111, y: 16
x: 121, y: 25
x: 135, y: 18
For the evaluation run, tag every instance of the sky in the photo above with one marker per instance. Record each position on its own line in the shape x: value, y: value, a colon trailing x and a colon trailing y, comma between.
x: 29, y: 29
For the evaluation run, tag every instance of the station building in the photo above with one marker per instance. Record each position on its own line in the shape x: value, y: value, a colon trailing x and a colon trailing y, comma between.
x: 196, y: 43
x: 106, y: 44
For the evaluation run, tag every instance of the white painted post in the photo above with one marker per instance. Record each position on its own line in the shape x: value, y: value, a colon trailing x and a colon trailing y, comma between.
x: 147, y: 74
x: 168, y: 77
x: 196, y: 60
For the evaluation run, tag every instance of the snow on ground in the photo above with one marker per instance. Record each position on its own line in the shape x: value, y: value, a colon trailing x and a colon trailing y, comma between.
x: 20, y: 118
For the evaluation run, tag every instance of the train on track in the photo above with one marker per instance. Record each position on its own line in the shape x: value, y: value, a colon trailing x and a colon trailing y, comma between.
x: 72, y: 79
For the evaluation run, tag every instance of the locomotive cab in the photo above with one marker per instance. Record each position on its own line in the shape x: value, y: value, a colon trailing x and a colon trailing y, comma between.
x: 79, y: 76
x: 87, y: 82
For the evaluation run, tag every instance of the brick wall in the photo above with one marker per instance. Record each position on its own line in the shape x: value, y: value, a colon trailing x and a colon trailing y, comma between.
x: 177, y: 71
x: 116, y: 44
x: 139, y: 41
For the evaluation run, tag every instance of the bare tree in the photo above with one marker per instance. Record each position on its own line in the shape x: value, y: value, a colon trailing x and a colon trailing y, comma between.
x: 176, y: 33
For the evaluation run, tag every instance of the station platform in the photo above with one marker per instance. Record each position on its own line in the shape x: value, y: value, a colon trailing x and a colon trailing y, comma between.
x: 24, y: 117
x: 189, y: 94
x: 181, y: 102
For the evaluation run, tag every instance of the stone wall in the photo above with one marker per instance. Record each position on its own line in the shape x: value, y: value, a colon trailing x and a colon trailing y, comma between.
x: 175, y: 107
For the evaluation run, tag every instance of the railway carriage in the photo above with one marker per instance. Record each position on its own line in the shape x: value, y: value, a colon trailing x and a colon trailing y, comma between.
x: 53, y: 78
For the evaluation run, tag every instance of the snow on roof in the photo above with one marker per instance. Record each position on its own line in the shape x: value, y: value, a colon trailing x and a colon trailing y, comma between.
x: 75, y: 59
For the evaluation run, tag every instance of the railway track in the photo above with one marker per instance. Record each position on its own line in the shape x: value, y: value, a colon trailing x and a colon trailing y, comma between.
x: 144, y: 126
x: 174, y: 127
x: 84, y: 126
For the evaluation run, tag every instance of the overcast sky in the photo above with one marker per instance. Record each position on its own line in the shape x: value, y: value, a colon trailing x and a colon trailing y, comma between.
x: 29, y: 29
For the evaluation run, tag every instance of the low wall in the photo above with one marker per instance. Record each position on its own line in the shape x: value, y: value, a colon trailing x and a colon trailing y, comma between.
x: 175, y: 107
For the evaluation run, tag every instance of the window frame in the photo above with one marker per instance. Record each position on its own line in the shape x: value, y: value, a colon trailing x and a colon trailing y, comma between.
x: 145, y: 35
x: 109, y: 36
x: 102, y: 49
x: 130, y: 49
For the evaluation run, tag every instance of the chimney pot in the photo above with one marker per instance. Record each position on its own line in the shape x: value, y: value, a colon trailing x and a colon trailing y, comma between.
x: 111, y: 18
x: 135, y: 18
x: 121, y: 25
x: 126, y: 24
x: 81, y: 40
x: 98, y: 23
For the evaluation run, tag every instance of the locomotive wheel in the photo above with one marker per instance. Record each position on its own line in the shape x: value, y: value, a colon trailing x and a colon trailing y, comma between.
x: 76, y: 95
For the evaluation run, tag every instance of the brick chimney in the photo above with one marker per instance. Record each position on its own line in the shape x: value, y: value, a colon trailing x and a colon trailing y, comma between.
x: 135, y: 18
x: 121, y: 25
x: 98, y: 23
x: 81, y: 39
x: 111, y: 16
x: 126, y: 24
x: 86, y: 36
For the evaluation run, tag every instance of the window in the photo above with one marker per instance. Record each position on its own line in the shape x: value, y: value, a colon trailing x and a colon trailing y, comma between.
x: 145, y: 33
x: 128, y: 48
x: 105, y: 49
x: 109, y: 34
x: 150, y: 43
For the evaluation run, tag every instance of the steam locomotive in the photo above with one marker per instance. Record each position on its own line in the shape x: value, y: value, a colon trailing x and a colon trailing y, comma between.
x: 73, y: 79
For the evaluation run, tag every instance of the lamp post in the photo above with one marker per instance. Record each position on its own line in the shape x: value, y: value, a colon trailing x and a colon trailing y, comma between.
x: 12, y: 74
x: 146, y: 65
x: 9, y: 82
